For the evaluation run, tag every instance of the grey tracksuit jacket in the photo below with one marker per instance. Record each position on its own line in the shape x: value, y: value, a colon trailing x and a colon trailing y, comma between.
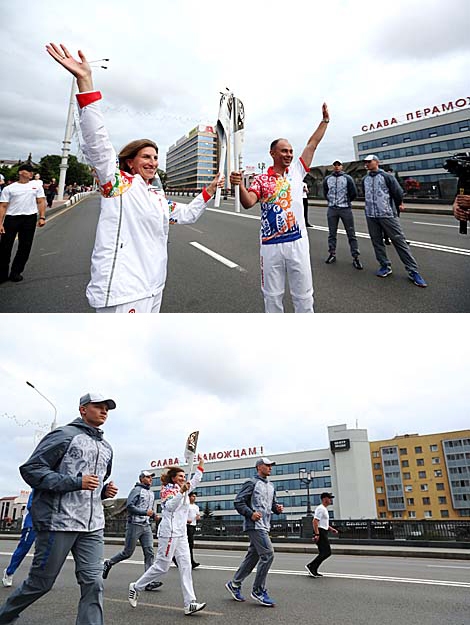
x: 382, y: 194
x: 139, y: 500
x: 55, y: 471
x: 256, y: 494
x: 339, y: 189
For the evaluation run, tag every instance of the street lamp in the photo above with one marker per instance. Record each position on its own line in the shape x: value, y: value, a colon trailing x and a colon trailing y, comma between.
x: 306, y: 477
x: 64, y: 163
x: 261, y: 166
x: 54, y: 423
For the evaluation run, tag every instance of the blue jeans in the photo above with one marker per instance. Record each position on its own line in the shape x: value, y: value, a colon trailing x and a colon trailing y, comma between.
x: 28, y: 536
x: 260, y: 554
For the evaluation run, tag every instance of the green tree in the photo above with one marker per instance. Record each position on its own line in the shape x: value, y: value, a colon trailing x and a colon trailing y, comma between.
x: 78, y: 172
x: 163, y: 177
x: 49, y: 167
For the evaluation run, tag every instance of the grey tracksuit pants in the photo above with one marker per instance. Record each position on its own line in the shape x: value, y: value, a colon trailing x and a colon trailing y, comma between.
x: 260, y: 554
x: 51, y: 550
x: 346, y: 215
x: 391, y: 226
x: 134, y: 533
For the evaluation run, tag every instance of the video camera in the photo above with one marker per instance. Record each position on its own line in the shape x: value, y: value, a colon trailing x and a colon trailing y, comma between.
x: 459, y: 165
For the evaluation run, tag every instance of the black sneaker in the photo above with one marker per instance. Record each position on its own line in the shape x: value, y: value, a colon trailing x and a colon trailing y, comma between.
x: 387, y: 241
x: 106, y: 568
x: 195, y: 565
x: 331, y: 259
x: 153, y: 586
x: 357, y: 263
x: 16, y: 277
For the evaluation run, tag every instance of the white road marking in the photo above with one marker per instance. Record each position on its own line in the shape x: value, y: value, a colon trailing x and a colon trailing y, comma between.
x: 446, y: 566
x: 162, y: 607
x: 195, y: 229
x: 425, y: 223
x: 221, y: 259
x: 373, y: 578
x: 362, y: 235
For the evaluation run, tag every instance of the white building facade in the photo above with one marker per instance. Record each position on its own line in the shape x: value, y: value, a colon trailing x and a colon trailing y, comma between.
x: 344, y: 469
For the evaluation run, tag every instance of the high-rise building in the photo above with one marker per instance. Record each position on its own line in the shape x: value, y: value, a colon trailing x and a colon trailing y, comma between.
x: 418, y: 148
x: 422, y: 477
x: 191, y: 163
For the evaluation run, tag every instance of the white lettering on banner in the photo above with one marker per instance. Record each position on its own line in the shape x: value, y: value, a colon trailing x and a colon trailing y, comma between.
x: 435, y: 110
x: 228, y: 454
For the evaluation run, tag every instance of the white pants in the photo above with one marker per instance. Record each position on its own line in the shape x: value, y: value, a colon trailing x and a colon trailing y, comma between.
x: 167, y: 548
x: 292, y: 258
x: 146, y: 305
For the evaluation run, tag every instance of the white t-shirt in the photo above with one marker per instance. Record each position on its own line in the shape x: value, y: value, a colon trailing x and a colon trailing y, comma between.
x: 21, y: 198
x: 321, y: 514
x: 193, y: 512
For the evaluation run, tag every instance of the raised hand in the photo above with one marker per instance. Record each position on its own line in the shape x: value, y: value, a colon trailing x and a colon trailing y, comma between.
x: 80, y: 69
x: 218, y: 181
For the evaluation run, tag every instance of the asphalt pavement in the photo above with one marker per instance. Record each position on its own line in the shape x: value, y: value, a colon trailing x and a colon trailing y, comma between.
x: 58, y: 270
x: 362, y: 591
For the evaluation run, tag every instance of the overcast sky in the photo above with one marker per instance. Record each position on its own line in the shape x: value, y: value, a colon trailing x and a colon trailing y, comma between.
x: 169, y: 60
x: 241, y: 380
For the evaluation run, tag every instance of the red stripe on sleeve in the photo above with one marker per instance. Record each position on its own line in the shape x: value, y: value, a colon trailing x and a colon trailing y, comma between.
x: 307, y: 169
x: 206, y: 195
x: 84, y: 99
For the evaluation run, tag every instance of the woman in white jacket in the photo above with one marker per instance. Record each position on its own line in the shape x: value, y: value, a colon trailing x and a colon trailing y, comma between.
x: 173, y: 537
x: 129, y: 260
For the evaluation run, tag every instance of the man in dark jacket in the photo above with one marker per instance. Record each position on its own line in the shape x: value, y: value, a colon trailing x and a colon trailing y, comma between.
x: 256, y: 502
x: 339, y: 190
x: 140, y: 512
x: 68, y: 471
x: 383, y: 195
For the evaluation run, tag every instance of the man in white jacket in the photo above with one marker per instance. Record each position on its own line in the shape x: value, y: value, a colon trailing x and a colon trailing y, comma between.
x: 129, y: 260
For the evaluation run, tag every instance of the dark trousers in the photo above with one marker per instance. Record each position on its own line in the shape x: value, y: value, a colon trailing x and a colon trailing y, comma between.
x: 324, y: 550
x: 24, y: 226
x: 305, y: 201
x: 191, y: 531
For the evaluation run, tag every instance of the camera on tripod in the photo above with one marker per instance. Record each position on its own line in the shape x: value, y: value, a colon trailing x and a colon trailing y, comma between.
x: 459, y: 165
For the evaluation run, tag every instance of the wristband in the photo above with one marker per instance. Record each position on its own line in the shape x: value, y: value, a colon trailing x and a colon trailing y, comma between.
x: 42, y: 218
x: 327, y: 121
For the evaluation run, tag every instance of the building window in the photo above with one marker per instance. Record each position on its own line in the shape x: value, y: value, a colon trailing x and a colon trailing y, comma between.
x: 405, y: 463
x: 418, y: 450
x: 422, y: 475
x: 382, y: 515
x: 426, y: 501
x: 381, y: 503
x: 412, y: 514
x: 427, y: 514
x: 375, y: 454
x: 408, y: 489
x: 433, y: 448
x: 379, y: 478
x: 410, y: 501
x: 406, y: 139
x: 420, y: 462
x: 403, y: 451
x: 384, y: 143
x: 438, y: 473
x: 436, y: 461
x: 377, y: 466
x: 444, y: 514
x: 433, y: 134
x: 396, y: 515
x: 439, y: 486
x: 423, y: 487
x: 379, y: 490
x: 442, y: 501
x: 407, y: 476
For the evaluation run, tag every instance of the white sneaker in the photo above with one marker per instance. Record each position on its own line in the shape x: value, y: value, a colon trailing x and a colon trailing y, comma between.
x: 193, y: 607
x: 7, y: 580
x: 132, y: 595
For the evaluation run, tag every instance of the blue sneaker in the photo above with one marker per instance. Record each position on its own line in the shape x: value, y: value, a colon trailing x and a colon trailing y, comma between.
x: 417, y: 279
x: 383, y: 272
x: 235, y: 591
x: 262, y: 597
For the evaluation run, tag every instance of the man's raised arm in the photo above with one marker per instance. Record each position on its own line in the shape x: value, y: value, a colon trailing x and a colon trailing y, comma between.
x: 312, y: 143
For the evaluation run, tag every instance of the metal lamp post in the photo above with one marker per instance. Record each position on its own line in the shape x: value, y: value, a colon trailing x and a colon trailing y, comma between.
x: 64, y: 163
x: 261, y: 166
x: 306, y: 477
x: 54, y: 423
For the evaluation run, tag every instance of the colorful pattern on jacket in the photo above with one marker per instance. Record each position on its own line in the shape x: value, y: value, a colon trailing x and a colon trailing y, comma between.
x: 278, y: 222
x: 122, y: 182
x: 168, y: 492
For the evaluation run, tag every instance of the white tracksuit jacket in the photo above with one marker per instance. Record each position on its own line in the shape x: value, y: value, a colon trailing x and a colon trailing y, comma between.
x: 130, y: 255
